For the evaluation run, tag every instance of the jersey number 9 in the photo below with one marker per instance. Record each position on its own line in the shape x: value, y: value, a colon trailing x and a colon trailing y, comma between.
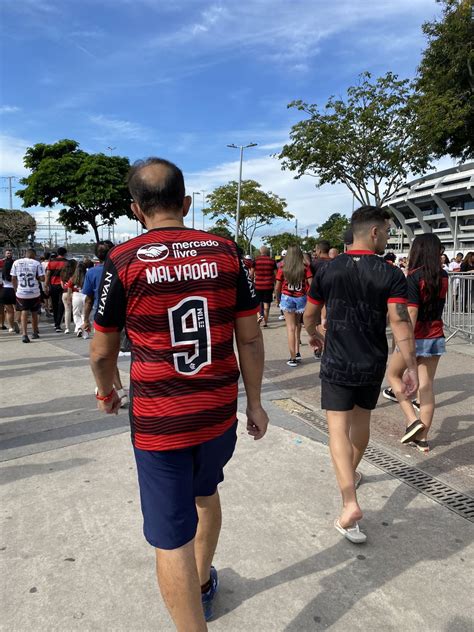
x: 189, y: 326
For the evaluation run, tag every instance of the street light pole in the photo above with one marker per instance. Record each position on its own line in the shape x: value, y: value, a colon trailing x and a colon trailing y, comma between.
x: 237, y: 213
x: 194, y: 193
x: 203, y: 205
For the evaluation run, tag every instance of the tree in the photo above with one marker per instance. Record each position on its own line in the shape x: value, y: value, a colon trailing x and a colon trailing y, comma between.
x: 280, y: 242
x: 257, y: 209
x: 16, y: 227
x: 369, y: 142
x: 220, y: 230
x: 333, y: 230
x: 445, y: 103
x: 91, y: 187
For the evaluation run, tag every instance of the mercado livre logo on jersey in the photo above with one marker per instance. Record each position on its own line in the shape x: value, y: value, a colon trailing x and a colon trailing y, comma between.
x: 153, y: 252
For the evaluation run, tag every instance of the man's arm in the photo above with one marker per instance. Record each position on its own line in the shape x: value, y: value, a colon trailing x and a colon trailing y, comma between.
x: 47, y: 281
x: 278, y: 291
x: 14, y: 279
x: 402, y: 330
x: 104, y: 351
x: 312, y: 324
x: 251, y: 357
x: 88, y: 304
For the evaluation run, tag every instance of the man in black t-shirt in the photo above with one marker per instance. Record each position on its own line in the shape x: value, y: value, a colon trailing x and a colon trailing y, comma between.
x: 358, y: 289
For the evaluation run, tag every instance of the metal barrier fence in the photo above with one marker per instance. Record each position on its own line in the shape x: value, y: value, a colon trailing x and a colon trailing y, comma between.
x: 458, y: 315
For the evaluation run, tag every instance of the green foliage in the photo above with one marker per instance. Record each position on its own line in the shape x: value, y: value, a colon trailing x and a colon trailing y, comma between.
x: 91, y: 187
x: 16, y: 227
x: 333, y: 230
x: 445, y: 103
x: 221, y: 230
x: 257, y: 209
x: 369, y: 141
x: 280, y: 242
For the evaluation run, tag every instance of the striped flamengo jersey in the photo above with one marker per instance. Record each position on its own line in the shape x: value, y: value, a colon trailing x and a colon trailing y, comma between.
x: 54, y: 268
x: 177, y: 291
x: 265, y: 268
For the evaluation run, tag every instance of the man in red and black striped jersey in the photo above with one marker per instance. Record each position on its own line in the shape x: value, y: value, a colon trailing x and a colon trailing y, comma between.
x: 358, y: 289
x: 182, y: 295
x: 264, y: 277
x: 54, y: 288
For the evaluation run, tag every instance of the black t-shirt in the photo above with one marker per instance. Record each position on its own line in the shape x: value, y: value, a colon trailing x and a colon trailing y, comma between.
x: 356, y: 287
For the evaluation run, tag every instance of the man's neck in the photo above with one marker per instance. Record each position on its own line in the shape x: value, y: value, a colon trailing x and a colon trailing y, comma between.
x: 362, y: 245
x: 164, y: 222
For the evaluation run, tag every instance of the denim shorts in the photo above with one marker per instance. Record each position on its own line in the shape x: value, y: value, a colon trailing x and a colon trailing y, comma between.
x: 292, y: 303
x: 428, y: 347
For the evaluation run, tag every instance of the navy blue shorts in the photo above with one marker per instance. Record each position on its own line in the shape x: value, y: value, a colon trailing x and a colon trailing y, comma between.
x: 169, y: 482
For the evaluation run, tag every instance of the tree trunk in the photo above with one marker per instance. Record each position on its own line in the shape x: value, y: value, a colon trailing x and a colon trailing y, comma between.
x: 96, y: 231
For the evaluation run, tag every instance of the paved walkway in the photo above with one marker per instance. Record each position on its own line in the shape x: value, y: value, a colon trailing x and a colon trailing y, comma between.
x: 73, y: 557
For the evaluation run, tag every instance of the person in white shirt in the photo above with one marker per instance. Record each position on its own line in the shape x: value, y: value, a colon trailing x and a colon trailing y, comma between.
x: 27, y: 273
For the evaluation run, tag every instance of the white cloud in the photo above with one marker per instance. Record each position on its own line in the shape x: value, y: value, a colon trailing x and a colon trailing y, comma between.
x: 8, y: 109
x: 120, y: 128
x: 12, y: 150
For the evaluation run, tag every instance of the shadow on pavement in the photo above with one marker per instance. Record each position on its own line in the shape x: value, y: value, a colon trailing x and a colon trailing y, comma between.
x: 11, y: 473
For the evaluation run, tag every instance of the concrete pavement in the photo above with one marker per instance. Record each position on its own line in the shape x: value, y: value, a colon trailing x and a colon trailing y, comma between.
x: 73, y: 557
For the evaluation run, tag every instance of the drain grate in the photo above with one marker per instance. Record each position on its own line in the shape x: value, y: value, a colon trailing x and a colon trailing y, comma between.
x: 459, y: 503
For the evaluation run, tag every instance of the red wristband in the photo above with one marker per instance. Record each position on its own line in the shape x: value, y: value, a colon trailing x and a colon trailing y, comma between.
x: 105, y: 398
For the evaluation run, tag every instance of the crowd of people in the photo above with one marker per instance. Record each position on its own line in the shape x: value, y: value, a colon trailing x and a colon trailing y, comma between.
x: 182, y: 296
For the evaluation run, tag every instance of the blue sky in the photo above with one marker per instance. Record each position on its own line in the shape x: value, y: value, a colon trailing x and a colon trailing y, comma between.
x: 183, y: 79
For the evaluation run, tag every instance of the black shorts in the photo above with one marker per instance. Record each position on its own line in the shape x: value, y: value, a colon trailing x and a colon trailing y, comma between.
x: 264, y: 296
x: 28, y: 304
x: 339, y: 397
x: 7, y: 296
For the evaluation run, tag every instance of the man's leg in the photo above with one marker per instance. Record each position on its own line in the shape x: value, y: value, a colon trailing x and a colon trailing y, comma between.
x: 207, y: 536
x: 10, y: 315
x: 54, y: 295
x: 359, y: 434
x: 24, y: 322
x: 266, y: 312
x: 180, y: 587
x: 34, y: 321
x: 342, y: 453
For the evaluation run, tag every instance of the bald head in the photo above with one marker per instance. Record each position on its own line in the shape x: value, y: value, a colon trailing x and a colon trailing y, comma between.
x: 156, y: 184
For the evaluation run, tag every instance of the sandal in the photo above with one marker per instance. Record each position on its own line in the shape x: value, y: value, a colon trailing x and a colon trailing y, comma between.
x: 422, y: 445
x: 353, y: 534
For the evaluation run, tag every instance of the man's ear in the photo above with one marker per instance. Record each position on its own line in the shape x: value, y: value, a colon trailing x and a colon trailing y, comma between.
x: 137, y: 211
x: 187, y: 204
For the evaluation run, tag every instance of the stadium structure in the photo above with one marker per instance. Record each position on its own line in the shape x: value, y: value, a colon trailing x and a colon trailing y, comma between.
x: 441, y: 203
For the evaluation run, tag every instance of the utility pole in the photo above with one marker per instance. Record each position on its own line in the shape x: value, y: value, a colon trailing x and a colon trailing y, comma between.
x: 203, y: 193
x: 10, y: 189
x: 49, y: 229
x: 296, y: 227
x: 237, y: 214
x: 111, y: 149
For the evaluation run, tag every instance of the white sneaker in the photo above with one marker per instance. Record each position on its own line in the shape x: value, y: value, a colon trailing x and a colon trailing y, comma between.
x: 66, y: 331
x: 281, y: 317
x: 124, y: 401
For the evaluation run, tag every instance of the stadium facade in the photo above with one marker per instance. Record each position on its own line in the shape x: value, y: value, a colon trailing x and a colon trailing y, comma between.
x: 442, y: 203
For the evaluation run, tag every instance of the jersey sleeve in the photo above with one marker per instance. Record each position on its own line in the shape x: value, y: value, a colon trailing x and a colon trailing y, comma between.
x: 315, y: 294
x: 247, y: 303
x: 112, y: 307
x: 398, y: 288
x: 414, y: 296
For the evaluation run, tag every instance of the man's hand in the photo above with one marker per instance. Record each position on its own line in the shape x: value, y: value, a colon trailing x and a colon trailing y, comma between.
x: 257, y: 422
x: 316, y: 341
x: 111, y: 406
x: 410, y: 382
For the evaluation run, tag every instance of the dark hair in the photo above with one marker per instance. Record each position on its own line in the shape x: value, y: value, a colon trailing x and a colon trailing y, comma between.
x: 390, y: 257
x: 158, y: 190
x: 68, y: 270
x: 79, y: 274
x: 368, y: 215
x: 102, y: 249
x: 62, y: 251
x: 348, y: 237
x: 425, y: 253
x: 445, y: 258
x: 459, y: 254
x: 323, y: 246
